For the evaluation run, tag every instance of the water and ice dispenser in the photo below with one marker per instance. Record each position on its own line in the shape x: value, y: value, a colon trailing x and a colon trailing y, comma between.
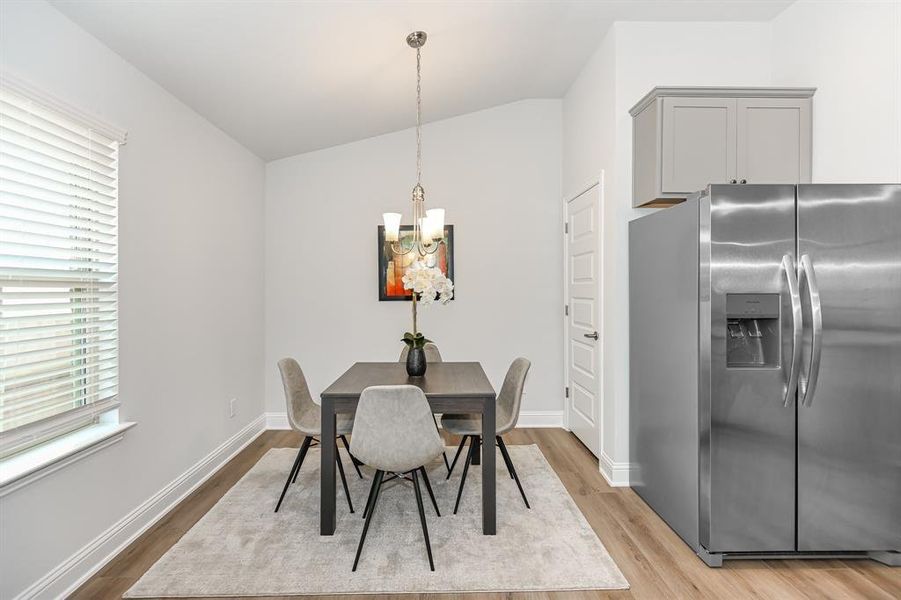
x: 752, y: 331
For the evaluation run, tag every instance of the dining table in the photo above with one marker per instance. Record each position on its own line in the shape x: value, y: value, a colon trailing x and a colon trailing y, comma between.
x: 450, y: 387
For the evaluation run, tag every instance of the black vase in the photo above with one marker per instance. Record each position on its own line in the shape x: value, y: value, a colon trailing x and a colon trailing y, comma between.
x: 416, y: 362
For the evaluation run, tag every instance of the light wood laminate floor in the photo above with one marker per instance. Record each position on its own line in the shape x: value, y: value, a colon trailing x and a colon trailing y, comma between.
x: 656, y: 562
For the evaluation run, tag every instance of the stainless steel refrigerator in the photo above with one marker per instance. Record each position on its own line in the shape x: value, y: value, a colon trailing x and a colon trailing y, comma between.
x: 765, y: 359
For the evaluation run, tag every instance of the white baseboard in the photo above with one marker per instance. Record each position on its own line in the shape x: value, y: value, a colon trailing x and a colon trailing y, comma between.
x: 276, y: 420
x: 616, y: 474
x: 540, y: 418
x: 78, y: 568
x: 534, y: 418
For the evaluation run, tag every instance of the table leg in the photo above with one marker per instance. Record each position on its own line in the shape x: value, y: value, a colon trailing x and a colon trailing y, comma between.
x: 327, y: 469
x: 489, y: 507
x: 477, y: 457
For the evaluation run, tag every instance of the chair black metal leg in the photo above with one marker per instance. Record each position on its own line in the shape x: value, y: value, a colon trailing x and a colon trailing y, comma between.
x: 352, y: 458
x: 310, y: 442
x: 428, y: 487
x: 472, y: 448
x: 457, y: 455
x: 343, y: 478
x: 443, y: 455
x: 477, y: 457
x: 425, y: 528
x: 505, y: 456
x: 370, y: 497
x: 503, y: 447
x: 376, y: 486
x: 295, y: 468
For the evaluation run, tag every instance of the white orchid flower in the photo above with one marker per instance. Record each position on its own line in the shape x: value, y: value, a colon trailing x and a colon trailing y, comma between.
x: 428, y: 283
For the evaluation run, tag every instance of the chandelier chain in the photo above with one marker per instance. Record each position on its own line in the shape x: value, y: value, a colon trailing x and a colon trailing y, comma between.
x: 418, y: 116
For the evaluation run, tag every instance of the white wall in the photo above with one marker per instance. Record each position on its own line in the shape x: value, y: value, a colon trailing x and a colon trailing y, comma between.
x: 191, y: 302
x: 642, y: 56
x: 851, y: 52
x: 589, y: 122
x: 497, y: 173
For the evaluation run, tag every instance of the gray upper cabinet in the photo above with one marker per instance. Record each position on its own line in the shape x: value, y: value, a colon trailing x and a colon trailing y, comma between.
x: 698, y: 143
x: 686, y: 138
x: 773, y: 140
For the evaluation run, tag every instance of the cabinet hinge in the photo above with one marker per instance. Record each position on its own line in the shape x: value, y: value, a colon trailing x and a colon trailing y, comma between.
x: 567, y: 391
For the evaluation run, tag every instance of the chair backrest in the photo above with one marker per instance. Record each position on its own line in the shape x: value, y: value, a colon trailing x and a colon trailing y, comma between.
x: 394, y: 430
x: 431, y: 353
x: 298, y: 399
x: 510, y: 398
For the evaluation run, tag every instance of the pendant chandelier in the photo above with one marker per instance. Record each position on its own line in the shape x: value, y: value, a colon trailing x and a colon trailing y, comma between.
x: 428, y: 225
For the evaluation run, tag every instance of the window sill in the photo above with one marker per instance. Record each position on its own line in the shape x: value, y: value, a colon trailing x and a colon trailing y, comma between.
x: 20, y: 470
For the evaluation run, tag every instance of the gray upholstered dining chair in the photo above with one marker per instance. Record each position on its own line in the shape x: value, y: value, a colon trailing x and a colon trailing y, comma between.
x: 305, y: 416
x: 431, y: 356
x: 507, y: 413
x: 392, y: 434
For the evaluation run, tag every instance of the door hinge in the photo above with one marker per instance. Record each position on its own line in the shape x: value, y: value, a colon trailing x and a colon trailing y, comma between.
x: 567, y: 391
x: 566, y: 310
x: 566, y: 228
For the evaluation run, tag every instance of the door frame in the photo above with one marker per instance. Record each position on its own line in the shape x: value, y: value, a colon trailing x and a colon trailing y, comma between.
x: 599, y: 183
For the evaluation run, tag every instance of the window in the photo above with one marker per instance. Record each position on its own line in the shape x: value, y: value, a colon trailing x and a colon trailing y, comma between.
x: 58, y: 264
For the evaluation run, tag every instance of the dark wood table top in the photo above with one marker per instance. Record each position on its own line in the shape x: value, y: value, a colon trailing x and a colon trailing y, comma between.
x: 441, y: 380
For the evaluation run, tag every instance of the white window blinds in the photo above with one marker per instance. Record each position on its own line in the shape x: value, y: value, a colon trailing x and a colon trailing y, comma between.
x: 58, y: 262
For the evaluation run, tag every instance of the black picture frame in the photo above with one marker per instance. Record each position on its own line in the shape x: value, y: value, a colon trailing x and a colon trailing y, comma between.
x: 385, y: 255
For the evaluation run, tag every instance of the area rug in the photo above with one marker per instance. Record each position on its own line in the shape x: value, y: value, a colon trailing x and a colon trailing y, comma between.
x: 241, y: 548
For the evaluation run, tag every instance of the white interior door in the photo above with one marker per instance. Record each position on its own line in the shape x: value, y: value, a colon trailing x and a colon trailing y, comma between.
x: 583, y: 291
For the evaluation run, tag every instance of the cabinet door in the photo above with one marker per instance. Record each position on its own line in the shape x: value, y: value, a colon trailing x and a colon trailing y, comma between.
x: 698, y: 143
x: 773, y: 140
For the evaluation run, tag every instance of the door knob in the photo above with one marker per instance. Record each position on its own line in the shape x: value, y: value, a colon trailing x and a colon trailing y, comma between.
x: 593, y: 336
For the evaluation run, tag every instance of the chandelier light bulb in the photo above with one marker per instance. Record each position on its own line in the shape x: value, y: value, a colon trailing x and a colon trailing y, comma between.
x: 426, y: 230
x: 392, y: 226
x: 435, y: 219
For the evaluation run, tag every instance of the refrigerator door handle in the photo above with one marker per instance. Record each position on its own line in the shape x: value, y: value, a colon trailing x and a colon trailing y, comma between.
x: 807, y: 386
x: 788, y: 266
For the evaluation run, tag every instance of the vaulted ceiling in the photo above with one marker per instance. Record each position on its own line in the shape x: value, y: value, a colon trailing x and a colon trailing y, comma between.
x: 286, y: 77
